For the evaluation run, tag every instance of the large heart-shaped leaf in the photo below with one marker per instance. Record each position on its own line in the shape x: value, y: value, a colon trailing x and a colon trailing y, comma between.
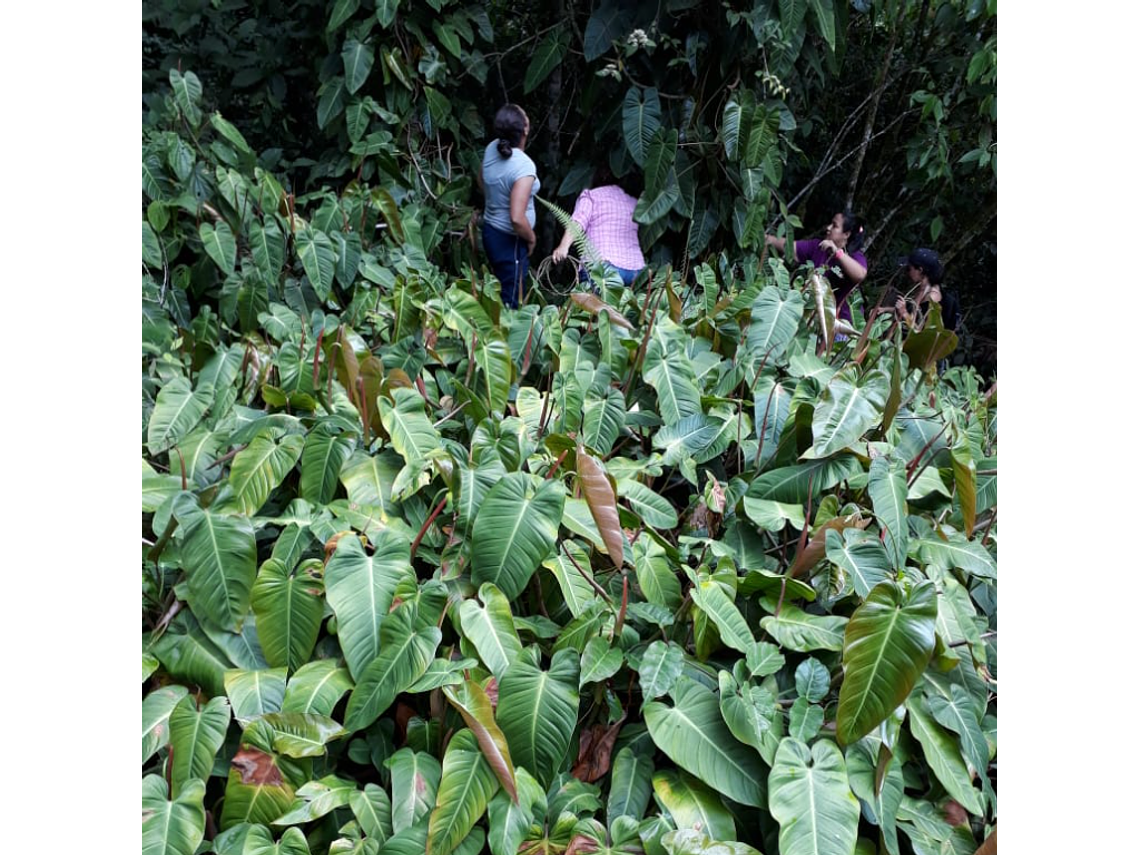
x: 322, y: 458
x: 220, y: 245
x: 538, y: 712
x: 405, y: 654
x: 860, y: 555
x: 693, y: 805
x: 660, y: 667
x: 316, y: 688
x: 289, y: 608
x: 220, y: 557
x: 887, y: 489
x: 255, y: 693
x: 261, y: 467
x: 177, y: 409
x: 514, y: 530
x: 792, y: 483
x: 491, y: 629
x: 415, y: 781
x: 748, y: 710
x: 195, y: 738
x: 546, y: 58
x: 260, y: 785
x: 358, y: 59
x: 474, y: 706
x: 465, y: 788
x: 653, y: 508
x: 776, y: 317
x: 360, y: 589
x: 811, y: 799
x: 640, y: 119
x: 887, y: 644
x: 695, y: 737
x: 669, y: 371
x: 631, y: 785
x: 156, y: 709
x: 317, y: 254
x: 847, y: 409
x: 172, y: 827
x: 804, y: 632
x: 412, y: 434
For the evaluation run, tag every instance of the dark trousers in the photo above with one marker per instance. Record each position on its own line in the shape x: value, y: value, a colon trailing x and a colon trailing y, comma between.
x: 510, y: 262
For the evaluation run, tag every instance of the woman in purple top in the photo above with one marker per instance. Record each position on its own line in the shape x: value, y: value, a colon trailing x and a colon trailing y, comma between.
x: 605, y: 213
x: 839, y: 253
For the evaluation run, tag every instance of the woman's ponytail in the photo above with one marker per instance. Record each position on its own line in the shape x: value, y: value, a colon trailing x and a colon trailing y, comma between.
x: 510, y: 128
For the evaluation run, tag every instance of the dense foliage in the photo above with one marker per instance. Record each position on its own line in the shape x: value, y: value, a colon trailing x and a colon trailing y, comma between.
x: 689, y: 567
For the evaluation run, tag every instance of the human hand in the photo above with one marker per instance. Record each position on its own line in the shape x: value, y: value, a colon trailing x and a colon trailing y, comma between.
x: 559, y: 255
x: 829, y: 246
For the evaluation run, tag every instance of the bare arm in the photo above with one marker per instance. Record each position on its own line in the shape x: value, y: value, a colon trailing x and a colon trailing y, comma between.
x: 563, y: 248
x: 777, y: 243
x: 851, y: 268
x: 520, y: 195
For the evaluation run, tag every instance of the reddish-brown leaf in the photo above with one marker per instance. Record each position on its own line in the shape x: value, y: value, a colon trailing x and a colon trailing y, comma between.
x: 810, y: 555
x: 592, y: 304
x: 595, y: 748
x: 472, y: 703
x: 404, y: 714
x: 580, y: 844
x: 257, y: 767
x: 599, y: 494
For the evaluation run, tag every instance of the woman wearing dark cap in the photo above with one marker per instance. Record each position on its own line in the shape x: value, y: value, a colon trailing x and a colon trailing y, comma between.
x: 839, y: 252
x: 509, y: 181
x: 924, y: 269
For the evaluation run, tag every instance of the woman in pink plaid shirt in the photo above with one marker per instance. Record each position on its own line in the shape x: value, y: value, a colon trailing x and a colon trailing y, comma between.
x: 605, y: 213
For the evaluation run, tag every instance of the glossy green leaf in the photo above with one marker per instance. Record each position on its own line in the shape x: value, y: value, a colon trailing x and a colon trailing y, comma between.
x: 172, y: 827
x: 289, y: 608
x: 491, y: 629
x: 496, y: 370
x: 956, y: 713
x: 473, y: 704
x: 317, y: 257
x: 177, y: 410
x: 641, y: 118
x: 695, y: 737
x: 810, y: 797
x: 189, y: 656
x: 261, y: 467
x: 316, y: 688
x: 546, y: 58
x: 405, y: 654
x: 631, y: 785
x: 302, y: 734
x: 358, y: 59
x: 846, y: 410
x: 412, y: 434
x: 218, y: 241
x: 693, y: 805
x: 669, y: 371
x: 660, y: 667
x: 887, y: 489
x: 373, y: 810
x: 880, y: 792
x: 156, y: 709
x: 415, y: 780
x: 254, y: 693
x: 709, y: 597
x: 655, y: 577
x: 862, y: 557
x: 799, y: 630
x: 539, y: 710
x: 776, y: 317
x: 943, y: 755
x: 474, y: 483
x: 599, y: 662
x: 195, y: 738
x: 747, y: 709
x: 571, y: 573
x: 653, y: 508
x: 465, y: 788
x: 260, y: 785
x: 514, y: 530
x: 886, y: 646
x: 508, y: 821
x: 219, y: 555
x: 322, y: 458
x: 804, y: 720
x: 956, y: 551
x: 360, y: 588
x: 791, y: 483
x: 187, y: 89
x: 315, y: 799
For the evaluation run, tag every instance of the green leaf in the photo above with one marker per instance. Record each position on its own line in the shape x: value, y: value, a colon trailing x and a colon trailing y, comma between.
x: 188, y: 655
x: 261, y: 467
x: 358, y: 59
x: 887, y: 489
x: 258, y: 788
x: 491, y: 629
x: 187, y: 93
x: 640, y: 120
x: 956, y: 551
x: 863, y: 558
x: 880, y: 790
x: 151, y: 249
x: 804, y: 720
x: 508, y: 822
x: 318, y: 259
x: 405, y: 654
x: 493, y: 356
x: 220, y: 245
x: 547, y: 57
x: 302, y: 734
x: 230, y: 133
x: 369, y: 479
x: 465, y: 788
x: 733, y: 128
x: 576, y: 591
x: 267, y: 245
x: 156, y: 709
x: 669, y: 371
x: 846, y: 410
x: 473, y: 486
x: 415, y: 780
x: 887, y: 644
x: 662, y: 189
x: 360, y: 588
x: 791, y: 483
x: 748, y: 710
x: 709, y: 597
x: 695, y: 737
x: 322, y: 459
x: 943, y: 756
x: 654, y: 509
x: 693, y: 805
x: 515, y: 529
x: 219, y: 555
x: 798, y: 630
x: 172, y: 827
x: 660, y: 667
x: 177, y: 410
x: 655, y: 577
x: 254, y: 693
x: 289, y: 608
x: 825, y: 19
x: 539, y: 712
x: 966, y: 481
x: 373, y: 811
x: 412, y: 434
x: 773, y: 516
x: 599, y: 662
x: 631, y: 785
x: 602, y: 420
x: 810, y: 797
x: 315, y: 799
x: 330, y: 103
x: 316, y: 688
x: 195, y: 738
x: 386, y: 12
x: 776, y: 318
x: 957, y: 714
x: 474, y: 706
x: 812, y: 680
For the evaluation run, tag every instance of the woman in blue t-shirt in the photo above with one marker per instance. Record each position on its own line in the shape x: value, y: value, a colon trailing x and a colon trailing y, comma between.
x: 509, y: 182
x: 839, y: 252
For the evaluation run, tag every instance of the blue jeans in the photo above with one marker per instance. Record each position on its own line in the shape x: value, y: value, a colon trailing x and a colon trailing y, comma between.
x: 509, y: 261
x: 627, y: 275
